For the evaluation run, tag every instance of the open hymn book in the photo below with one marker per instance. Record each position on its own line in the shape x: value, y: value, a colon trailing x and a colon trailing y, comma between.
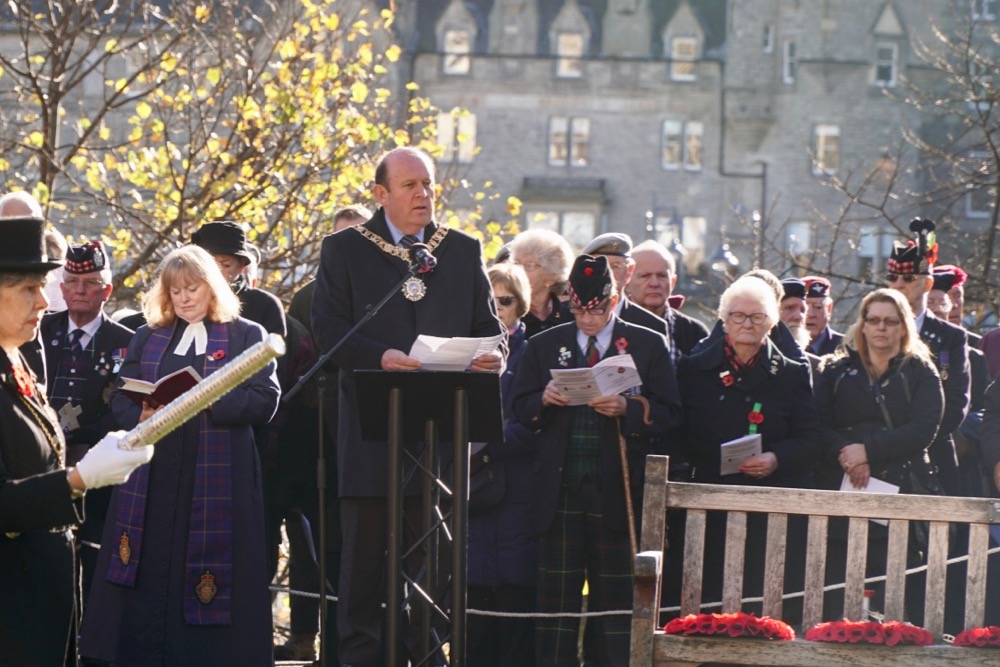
x: 164, y: 390
x: 610, y: 376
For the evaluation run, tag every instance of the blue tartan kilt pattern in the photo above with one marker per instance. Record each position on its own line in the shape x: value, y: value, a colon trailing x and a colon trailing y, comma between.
x: 578, y: 547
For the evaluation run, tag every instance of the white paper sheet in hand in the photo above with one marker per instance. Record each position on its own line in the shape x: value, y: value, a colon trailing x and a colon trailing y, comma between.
x: 875, y: 485
x: 732, y: 454
x: 608, y: 377
x: 451, y: 354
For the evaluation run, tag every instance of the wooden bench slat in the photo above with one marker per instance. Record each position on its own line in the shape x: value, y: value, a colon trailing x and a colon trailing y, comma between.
x: 693, y: 649
x: 654, y: 504
x: 895, y: 571
x: 812, y: 606
x: 835, y: 503
x: 774, y: 564
x: 732, y: 575
x: 857, y: 556
x: 694, y: 558
x: 937, y: 554
x: 975, y: 601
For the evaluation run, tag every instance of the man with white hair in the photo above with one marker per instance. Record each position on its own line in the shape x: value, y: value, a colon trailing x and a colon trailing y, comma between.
x: 83, y: 351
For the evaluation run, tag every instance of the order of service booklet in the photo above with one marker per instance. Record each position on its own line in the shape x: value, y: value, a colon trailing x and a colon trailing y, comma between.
x: 610, y: 376
x: 164, y: 390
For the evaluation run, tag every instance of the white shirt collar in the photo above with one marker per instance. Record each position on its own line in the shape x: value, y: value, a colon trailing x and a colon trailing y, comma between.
x: 603, y: 337
x: 89, y: 329
x: 195, y: 333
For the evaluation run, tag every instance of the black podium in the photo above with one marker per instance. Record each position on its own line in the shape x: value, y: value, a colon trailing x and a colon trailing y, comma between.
x: 428, y: 406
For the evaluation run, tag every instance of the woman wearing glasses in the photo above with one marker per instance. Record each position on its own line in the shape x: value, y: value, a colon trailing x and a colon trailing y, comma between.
x: 546, y: 257
x: 740, y: 385
x: 880, y: 402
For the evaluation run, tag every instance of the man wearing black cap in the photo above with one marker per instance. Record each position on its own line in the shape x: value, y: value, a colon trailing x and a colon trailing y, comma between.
x: 617, y: 247
x: 819, y: 307
x: 581, y: 511
x: 792, y: 311
x: 227, y: 242
x: 358, y: 267
x: 909, y: 270
x: 83, y: 351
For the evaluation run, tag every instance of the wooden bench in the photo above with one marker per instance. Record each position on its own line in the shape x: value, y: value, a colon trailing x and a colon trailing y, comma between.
x: 651, y: 647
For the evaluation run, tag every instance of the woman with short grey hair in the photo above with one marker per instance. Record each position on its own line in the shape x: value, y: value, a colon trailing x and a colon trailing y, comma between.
x: 546, y: 257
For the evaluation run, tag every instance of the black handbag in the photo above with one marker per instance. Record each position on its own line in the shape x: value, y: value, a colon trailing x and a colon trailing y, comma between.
x: 486, y: 482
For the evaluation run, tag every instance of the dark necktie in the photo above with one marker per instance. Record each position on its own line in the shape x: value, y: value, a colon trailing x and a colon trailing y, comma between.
x: 74, y: 342
x: 591, y: 353
x: 408, y: 240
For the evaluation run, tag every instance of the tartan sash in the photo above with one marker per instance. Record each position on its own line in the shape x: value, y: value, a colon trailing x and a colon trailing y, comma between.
x: 208, y: 570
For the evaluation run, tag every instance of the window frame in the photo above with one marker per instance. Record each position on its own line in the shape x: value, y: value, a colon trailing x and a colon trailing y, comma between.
x: 462, y: 58
x: 572, y: 148
x: 892, y: 64
x: 683, y: 58
x: 569, y: 65
x: 822, y: 133
x: 789, y: 62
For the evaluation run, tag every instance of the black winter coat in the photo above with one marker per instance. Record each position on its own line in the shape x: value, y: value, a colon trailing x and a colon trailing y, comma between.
x: 849, y: 414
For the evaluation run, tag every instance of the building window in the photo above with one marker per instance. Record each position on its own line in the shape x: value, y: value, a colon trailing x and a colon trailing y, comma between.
x: 826, y: 149
x: 682, y: 145
x: 982, y: 93
x: 457, y: 47
x: 874, y: 247
x: 683, y: 53
x: 984, y: 10
x: 798, y: 241
x: 789, y: 63
x: 456, y: 134
x: 569, y: 141
x: 569, y: 47
x: 768, y: 44
x: 980, y: 193
x: 886, y: 64
x: 578, y: 227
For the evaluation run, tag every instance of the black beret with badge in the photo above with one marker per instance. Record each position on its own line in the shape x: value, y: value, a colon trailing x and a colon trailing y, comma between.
x: 793, y: 288
x: 612, y: 243
x: 589, y: 281
x: 86, y: 258
x: 947, y: 276
x: 817, y: 286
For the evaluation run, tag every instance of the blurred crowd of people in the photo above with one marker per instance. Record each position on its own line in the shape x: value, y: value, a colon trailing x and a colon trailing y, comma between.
x: 173, y: 555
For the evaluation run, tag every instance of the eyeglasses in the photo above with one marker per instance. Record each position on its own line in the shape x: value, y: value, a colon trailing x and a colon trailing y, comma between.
x: 529, y: 266
x: 599, y: 309
x: 755, y: 318
x: 506, y: 301
x: 88, y: 283
x: 908, y: 278
x: 873, y: 321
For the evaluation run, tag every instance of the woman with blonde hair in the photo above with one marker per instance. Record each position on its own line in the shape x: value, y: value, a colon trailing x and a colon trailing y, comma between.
x: 182, y: 574
x: 880, y: 401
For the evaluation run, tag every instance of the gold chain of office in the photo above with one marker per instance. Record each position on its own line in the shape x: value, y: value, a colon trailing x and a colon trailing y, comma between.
x: 397, y: 251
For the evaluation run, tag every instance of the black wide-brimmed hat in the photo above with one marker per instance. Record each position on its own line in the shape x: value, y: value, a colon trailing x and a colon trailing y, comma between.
x: 23, y: 246
x: 223, y: 238
x: 793, y: 288
x: 916, y: 256
x: 589, y: 281
x: 86, y: 258
x: 947, y: 276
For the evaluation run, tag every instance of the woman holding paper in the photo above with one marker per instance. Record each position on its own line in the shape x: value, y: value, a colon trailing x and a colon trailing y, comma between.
x: 880, y: 402
x: 182, y: 573
x: 741, y: 386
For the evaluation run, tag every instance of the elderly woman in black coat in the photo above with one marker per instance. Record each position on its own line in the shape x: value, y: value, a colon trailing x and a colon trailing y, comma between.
x: 546, y: 258
x: 880, y: 402
x: 740, y: 384
x: 39, y: 498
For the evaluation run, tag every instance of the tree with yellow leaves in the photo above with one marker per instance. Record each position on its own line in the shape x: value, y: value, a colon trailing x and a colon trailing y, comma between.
x: 142, y: 121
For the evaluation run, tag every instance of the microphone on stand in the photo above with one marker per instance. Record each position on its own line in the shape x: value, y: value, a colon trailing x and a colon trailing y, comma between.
x: 422, y: 258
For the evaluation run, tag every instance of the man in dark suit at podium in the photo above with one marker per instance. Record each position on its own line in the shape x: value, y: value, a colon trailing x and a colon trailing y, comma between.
x: 358, y: 267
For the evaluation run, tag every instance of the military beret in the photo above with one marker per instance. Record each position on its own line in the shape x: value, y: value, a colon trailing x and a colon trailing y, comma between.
x: 86, y: 258
x: 612, y: 243
x: 817, y: 286
x: 794, y: 287
x: 589, y: 281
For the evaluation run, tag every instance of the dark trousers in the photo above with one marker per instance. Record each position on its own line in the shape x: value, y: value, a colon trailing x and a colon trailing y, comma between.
x: 360, y: 617
x: 579, y: 547
x: 494, y: 641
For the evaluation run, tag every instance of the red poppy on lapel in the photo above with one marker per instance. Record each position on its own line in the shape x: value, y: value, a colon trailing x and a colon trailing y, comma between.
x: 622, y: 345
x: 218, y: 354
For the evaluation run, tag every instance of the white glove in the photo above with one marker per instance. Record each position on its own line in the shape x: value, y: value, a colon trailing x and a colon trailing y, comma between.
x: 105, y: 464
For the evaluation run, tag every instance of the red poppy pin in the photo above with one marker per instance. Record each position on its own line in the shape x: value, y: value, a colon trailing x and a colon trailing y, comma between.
x: 588, y: 271
x: 25, y: 386
x: 218, y: 354
x: 756, y: 417
x: 622, y: 346
x: 727, y: 378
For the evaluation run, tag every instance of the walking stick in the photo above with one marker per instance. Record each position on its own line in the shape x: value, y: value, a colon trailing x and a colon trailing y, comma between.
x: 623, y: 454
